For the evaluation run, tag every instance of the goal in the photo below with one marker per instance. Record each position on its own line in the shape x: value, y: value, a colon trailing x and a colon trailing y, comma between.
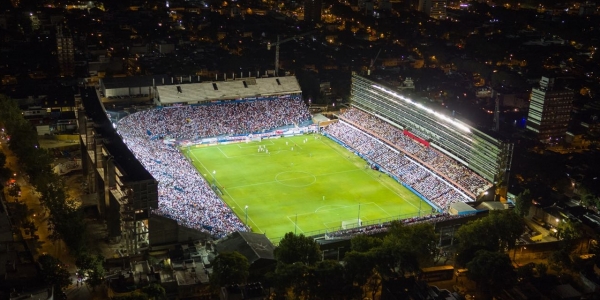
x: 354, y: 223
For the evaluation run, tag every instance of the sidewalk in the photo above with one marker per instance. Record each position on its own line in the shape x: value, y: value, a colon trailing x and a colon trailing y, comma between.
x: 43, y: 244
x: 38, y: 215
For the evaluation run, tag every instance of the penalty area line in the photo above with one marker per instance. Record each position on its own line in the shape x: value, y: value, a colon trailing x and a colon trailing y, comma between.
x: 295, y: 225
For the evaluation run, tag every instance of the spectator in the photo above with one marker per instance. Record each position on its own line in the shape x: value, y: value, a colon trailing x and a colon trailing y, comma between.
x: 183, y: 194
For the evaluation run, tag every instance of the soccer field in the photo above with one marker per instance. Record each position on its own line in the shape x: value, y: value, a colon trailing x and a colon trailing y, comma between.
x: 302, y: 187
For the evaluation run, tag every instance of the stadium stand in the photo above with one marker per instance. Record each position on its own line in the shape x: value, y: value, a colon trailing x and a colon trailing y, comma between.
x: 186, y: 197
x: 443, y: 165
x: 183, y: 194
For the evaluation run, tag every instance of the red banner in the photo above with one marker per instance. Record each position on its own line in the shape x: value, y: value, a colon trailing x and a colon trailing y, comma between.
x: 416, y: 138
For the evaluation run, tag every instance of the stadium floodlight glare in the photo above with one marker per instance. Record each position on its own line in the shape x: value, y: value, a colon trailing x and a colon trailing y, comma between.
x: 423, y: 108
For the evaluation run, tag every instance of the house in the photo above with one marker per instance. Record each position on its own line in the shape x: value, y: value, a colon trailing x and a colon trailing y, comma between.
x: 256, y: 247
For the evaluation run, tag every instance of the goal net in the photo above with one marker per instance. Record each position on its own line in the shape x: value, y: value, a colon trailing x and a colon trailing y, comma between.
x: 354, y: 223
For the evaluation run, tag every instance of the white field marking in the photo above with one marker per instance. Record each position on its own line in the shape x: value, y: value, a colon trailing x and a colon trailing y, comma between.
x: 236, y: 203
x: 334, y: 207
x: 253, y: 144
x: 249, y: 218
x: 387, y: 187
x: 276, y: 181
x: 309, y: 175
x: 295, y: 224
x: 318, y: 208
x: 223, y: 152
x: 380, y: 181
x: 385, y: 211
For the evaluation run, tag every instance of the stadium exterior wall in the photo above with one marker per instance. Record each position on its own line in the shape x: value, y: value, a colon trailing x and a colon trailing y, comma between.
x: 487, y: 156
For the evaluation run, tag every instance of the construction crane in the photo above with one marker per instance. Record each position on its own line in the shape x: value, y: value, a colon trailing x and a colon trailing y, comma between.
x: 373, y: 63
x: 279, y: 42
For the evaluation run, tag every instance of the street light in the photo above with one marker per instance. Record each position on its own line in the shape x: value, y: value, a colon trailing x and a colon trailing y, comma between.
x: 358, y: 220
x: 246, y: 210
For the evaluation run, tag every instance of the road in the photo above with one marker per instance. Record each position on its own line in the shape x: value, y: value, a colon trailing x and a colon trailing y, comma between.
x: 45, y: 245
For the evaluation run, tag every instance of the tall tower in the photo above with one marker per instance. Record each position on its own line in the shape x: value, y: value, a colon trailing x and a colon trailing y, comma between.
x: 65, y: 53
x: 549, y: 110
x: 435, y: 9
x: 438, y: 9
x: 312, y: 11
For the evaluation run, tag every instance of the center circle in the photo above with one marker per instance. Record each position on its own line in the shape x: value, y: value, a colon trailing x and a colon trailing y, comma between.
x: 295, y: 178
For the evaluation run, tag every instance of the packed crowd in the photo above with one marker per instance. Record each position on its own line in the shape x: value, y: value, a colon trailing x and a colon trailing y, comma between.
x: 397, y: 164
x: 434, y: 159
x: 383, y: 227
x: 192, y: 122
x: 183, y: 194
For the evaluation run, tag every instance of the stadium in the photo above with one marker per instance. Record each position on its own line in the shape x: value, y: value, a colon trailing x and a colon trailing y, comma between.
x: 246, y: 155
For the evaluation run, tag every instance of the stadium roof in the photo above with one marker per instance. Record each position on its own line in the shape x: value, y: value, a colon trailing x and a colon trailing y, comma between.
x: 144, y: 81
x: 133, y: 169
x: 220, y: 90
x: 125, y: 82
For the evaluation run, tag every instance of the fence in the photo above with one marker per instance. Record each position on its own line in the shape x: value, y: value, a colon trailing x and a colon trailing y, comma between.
x: 370, y: 226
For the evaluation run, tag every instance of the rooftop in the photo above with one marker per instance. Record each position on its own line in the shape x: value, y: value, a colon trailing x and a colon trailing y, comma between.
x: 253, y: 246
x: 233, y: 89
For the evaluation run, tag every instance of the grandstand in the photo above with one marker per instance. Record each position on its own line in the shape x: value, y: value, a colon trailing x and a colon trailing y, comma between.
x: 215, y: 92
x: 485, y: 155
x: 439, y: 159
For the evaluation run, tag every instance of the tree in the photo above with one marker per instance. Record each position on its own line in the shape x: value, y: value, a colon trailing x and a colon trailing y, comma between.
x: 15, y: 191
x: 526, y: 272
x: 395, y: 257
x: 560, y: 260
x: 590, y: 200
x: 364, y: 243
x: 475, y: 234
x: 229, y: 268
x: 360, y: 266
x: 133, y: 296
x: 38, y: 165
x: 329, y: 279
x: 295, y: 277
x: 297, y: 248
x: 542, y: 269
x: 154, y: 291
x: 491, y: 271
x: 53, y: 272
x: 498, y: 231
x: 5, y: 173
x: 91, y: 267
x: 19, y: 211
x: 567, y: 232
x: 523, y: 203
x: 508, y: 226
x: 417, y: 240
x: 68, y: 223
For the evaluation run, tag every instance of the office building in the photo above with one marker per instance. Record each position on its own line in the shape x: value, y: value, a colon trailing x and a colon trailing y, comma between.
x: 65, y: 52
x: 436, y: 9
x: 312, y: 11
x: 549, y: 110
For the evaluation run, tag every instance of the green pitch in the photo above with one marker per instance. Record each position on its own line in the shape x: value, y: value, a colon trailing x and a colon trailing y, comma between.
x: 303, y: 187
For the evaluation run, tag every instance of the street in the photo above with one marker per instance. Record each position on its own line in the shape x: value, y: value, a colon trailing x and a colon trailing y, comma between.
x: 43, y: 244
